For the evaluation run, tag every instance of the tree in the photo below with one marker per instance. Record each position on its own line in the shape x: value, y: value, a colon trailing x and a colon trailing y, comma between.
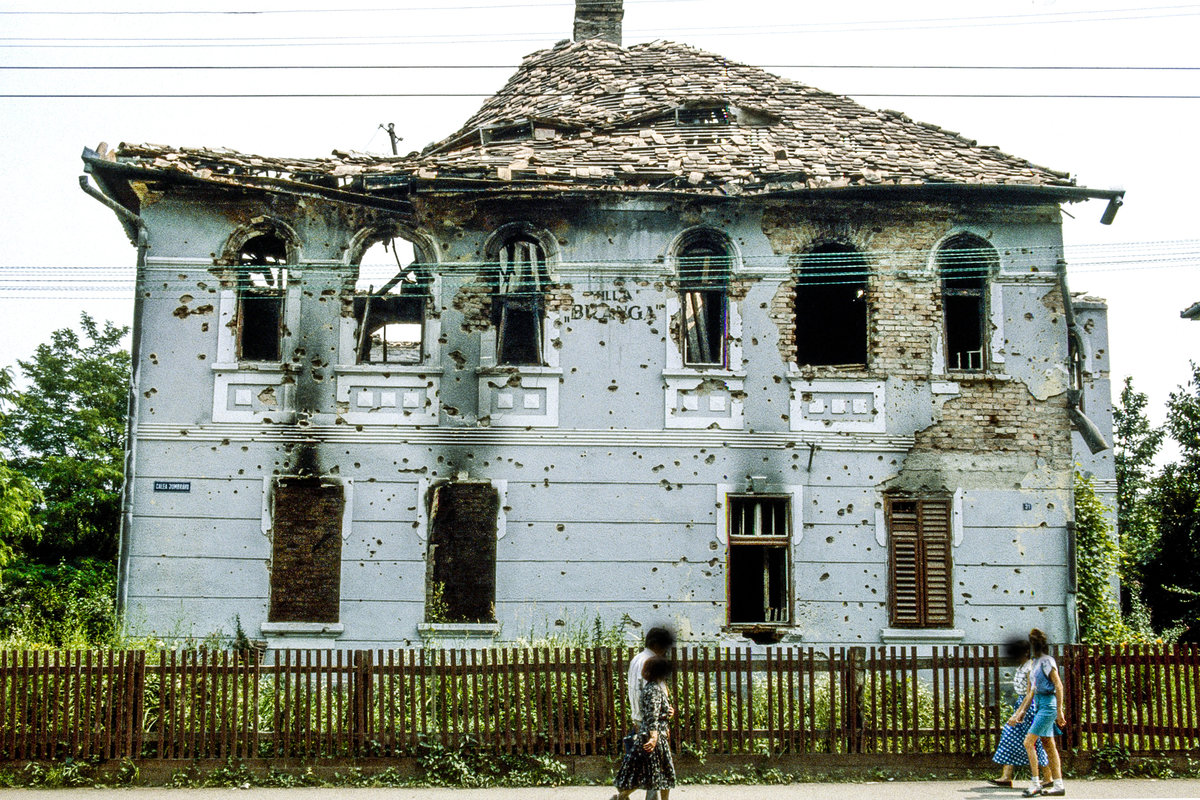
x: 1136, y: 443
x: 1172, y: 570
x: 64, y: 432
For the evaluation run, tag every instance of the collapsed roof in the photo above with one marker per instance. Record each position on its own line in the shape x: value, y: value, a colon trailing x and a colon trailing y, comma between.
x: 658, y: 117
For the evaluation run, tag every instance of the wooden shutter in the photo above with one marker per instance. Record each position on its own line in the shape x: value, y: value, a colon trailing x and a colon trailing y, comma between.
x: 920, y: 567
x: 905, y: 545
x: 935, y: 555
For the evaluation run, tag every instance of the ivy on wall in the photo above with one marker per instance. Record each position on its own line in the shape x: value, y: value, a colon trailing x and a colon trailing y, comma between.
x: 1096, y: 560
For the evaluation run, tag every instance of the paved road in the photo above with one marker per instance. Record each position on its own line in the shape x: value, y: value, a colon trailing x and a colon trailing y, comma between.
x: 897, y: 790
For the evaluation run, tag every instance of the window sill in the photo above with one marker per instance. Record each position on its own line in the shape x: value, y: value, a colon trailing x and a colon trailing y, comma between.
x: 396, y: 369
x: 922, y: 635
x: 452, y: 633
x: 707, y: 372
x: 974, y: 377
x: 330, y: 630
x: 249, y: 366
x: 518, y: 369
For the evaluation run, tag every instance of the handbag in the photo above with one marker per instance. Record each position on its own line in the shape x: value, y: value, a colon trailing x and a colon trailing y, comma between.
x: 632, y: 743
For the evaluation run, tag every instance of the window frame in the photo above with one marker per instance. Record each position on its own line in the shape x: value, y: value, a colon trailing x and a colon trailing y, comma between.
x: 986, y: 259
x: 712, y: 284
x: 244, y: 289
x: 925, y: 612
x: 783, y: 542
x: 530, y: 299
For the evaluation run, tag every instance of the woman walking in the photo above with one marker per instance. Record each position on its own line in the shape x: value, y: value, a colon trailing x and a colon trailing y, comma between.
x: 1011, y: 750
x: 651, y: 767
x: 1047, y: 688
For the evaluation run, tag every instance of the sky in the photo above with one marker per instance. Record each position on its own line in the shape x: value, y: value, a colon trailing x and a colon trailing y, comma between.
x: 65, y: 254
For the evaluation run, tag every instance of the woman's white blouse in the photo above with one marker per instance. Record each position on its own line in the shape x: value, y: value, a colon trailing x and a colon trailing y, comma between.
x: 1021, y: 679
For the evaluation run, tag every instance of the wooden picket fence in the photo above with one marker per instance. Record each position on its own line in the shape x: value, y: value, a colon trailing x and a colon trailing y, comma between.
x: 184, y: 705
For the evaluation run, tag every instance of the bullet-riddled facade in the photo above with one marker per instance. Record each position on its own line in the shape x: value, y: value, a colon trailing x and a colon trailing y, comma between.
x: 727, y: 352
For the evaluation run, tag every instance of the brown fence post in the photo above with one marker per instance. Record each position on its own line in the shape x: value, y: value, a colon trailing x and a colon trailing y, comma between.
x: 855, y: 680
x: 360, y: 714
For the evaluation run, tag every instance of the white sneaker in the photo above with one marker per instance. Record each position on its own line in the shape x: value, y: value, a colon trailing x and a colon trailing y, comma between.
x: 1035, y: 788
x: 1056, y: 789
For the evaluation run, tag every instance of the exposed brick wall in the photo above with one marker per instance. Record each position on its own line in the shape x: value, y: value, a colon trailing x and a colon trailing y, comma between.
x: 306, y: 552
x: 1001, y: 417
x: 462, y: 540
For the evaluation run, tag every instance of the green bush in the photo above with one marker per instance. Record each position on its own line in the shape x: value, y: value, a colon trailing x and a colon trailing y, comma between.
x: 59, y: 605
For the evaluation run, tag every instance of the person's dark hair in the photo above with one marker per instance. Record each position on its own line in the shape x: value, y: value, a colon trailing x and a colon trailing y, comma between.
x: 660, y: 639
x: 1038, y: 643
x: 657, y: 669
x: 1016, y: 650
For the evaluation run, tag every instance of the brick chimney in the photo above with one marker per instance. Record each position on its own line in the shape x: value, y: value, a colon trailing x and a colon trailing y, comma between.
x: 599, y: 19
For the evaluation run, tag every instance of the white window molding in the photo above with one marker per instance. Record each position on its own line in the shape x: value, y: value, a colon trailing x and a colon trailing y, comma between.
x: 795, y: 490
x: 257, y: 394
x: 996, y: 313
x: 693, y: 400
x: 458, y: 635
x: 838, y: 405
x: 423, y: 520
x: 881, y: 532
x: 431, y: 335
x: 519, y: 397
x: 921, y: 635
x: 733, y: 338
x: 956, y: 517
x: 388, y: 394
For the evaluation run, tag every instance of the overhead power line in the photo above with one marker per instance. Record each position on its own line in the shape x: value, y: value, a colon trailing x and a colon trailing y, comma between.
x: 363, y: 95
x: 193, y: 67
x: 264, y: 12
x: 931, y: 23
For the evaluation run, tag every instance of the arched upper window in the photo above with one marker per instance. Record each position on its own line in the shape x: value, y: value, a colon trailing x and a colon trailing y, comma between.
x: 704, y: 262
x: 391, y: 297
x: 519, y: 280
x: 965, y: 263
x: 831, y: 307
x: 261, y: 271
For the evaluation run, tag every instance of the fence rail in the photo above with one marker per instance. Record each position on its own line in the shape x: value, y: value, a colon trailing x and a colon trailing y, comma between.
x: 182, y: 705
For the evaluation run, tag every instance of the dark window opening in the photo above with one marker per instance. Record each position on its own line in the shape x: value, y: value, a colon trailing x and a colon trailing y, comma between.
x: 704, y: 278
x: 261, y: 283
x: 518, y: 307
x: 919, y: 558
x: 703, y: 116
x: 831, y: 307
x: 964, y: 265
x: 759, y: 560
x: 462, y: 553
x: 306, y: 551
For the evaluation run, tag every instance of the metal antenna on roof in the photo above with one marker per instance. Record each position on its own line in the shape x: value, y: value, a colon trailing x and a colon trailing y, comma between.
x: 391, y: 132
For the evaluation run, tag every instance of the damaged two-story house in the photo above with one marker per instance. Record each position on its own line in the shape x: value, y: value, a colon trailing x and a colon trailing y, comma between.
x: 681, y: 341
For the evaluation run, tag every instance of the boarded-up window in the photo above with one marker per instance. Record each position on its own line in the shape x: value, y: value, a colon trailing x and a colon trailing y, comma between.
x: 965, y: 263
x: 919, y: 556
x: 759, y: 564
x: 462, y: 553
x: 261, y: 282
x: 306, y: 551
x: 704, y: 281
x: 519, y: 305
x: 831, y: 307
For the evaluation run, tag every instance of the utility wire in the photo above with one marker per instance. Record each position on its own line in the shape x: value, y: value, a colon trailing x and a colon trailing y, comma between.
x: 618, y: 69
x: 367, y: 95
x: 279, y: 11
x: 1135, y: 14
